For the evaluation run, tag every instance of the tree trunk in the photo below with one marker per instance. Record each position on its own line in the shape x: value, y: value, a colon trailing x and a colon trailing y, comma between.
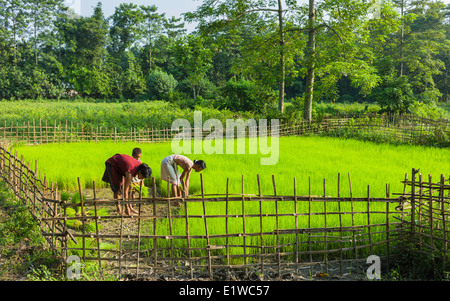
x: 401, y: 38
x: 282, y: 59
x: 307, y: 111
x: 15, y: 42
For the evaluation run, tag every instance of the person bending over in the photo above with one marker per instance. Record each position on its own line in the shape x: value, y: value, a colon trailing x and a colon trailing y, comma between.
x: 124, y: 166
x: 170, y: 173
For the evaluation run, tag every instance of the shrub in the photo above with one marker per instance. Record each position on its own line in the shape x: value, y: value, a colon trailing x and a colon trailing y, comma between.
x: 160, y: 84
x: 245, y: 95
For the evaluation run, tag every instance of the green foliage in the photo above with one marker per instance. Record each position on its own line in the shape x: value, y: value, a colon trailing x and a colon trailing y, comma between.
x: 46, y: 53
x: 192, y: 55
x: 415, y: 264
x: 20, y: 235
x: 394, y: 94
x: 245, y: 95
x: 160, y: 85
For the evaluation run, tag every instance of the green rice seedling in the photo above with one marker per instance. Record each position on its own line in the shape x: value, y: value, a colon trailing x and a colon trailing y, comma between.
x: 318, y: 164
x: 77, y: 212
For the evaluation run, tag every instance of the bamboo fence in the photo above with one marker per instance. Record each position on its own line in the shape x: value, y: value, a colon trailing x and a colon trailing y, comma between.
x: 206, y: 234
x: 426, y: 214
x: 403, y: 128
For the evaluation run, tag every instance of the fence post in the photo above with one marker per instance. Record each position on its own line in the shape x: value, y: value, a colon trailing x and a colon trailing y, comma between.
x: 413, y: 202
x: 444, y: 228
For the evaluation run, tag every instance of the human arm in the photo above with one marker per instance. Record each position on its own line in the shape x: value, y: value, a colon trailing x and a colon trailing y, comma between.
x: 127, y: 185
x: 186, y: 174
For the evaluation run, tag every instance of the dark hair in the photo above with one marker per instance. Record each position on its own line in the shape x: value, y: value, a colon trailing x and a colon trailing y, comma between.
x: 136, y: 151
x: 145, y: 170
x: 200, y: 163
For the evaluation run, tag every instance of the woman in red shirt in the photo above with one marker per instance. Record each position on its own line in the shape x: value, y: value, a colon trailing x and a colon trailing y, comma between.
x: 124, y: 166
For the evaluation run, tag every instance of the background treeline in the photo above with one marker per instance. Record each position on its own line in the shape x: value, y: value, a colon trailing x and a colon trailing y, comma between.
x: 268, y: 57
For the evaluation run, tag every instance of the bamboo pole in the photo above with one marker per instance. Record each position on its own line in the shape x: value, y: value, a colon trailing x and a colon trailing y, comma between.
x: 243, y: 228
x: 139, y: 229
x: 444, y: 228
x: 96, y: 231
x: 188, y: 240
x: 309, y: 218
x: 278, y: 227
x: 83, y: 228
x: 368, y: 220
x: 121, y: 205
x: 210, y: 272
x: 340, y: 225
x: 261, y: 236
x: 325, y: 225
x: 296, y: 225
x: 155, y: 241
x: 431, y: 209
x: 170, y: 231
x: 353, y: 216
x: 226, y: 222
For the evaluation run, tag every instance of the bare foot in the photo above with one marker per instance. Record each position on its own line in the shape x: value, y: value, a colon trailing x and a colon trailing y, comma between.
x: 133, y: 210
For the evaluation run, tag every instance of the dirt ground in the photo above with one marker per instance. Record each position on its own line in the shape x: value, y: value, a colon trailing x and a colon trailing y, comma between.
x: 315, y: 273
x: 318, y: 272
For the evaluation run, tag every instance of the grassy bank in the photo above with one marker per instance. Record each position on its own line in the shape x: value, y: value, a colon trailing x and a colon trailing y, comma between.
x: 23, y: 255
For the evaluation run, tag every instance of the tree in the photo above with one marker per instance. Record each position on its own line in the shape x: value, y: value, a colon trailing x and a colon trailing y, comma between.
x: 338, y: 46
x: 14, y: 15
x: 174, y: 28
x: 42, y: 15
x: 152, y: 27
x: 195, y: 60
x: 126, y: 28
x: 310, y: 61
x: 84, y: 55
x: 394, y: 94
x: 216, y: 16
x: 160, y: 84
x: 423, y: 43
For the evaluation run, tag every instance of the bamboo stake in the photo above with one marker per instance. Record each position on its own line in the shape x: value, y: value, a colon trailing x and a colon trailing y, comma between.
x: 206, y: 230
x: 368, y: 220
x: 325, y: 224
x: 96, y: 231
x: 261, y: 225
x: 155, y: 241
x: 170, y: 232
x: 309, y: 218
x: 413, y: 203
x: 420, y: 210
x: 188, y: 240
x: 122, y: 208
x: 226, y: 222
x: 296, y: 225
x: 444, y: 228
x: 340, y: 226
x: 278, y: 238
x: 139, y: 229
x: 82, y: 219
x: 243, y: 228
x: 353, y: 216
x: 431, y: 210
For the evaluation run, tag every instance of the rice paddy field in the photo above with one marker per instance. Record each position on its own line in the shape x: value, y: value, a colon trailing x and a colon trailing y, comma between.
x: 312, y: 160
x: 317, y: 158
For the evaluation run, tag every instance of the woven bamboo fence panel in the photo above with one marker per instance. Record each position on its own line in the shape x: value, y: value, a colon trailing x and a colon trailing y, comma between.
x: 205, y: 233
x: 426, y: 214
x: 403, y: 128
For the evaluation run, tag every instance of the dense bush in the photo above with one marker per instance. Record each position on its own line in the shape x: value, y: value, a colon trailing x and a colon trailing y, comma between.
x: 160, y: 84
x: 245, y: 95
